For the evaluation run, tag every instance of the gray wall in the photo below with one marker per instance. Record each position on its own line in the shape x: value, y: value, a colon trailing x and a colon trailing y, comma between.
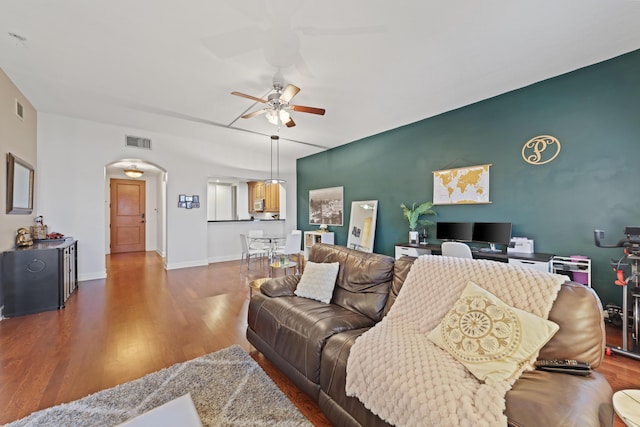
x: 594, y: 182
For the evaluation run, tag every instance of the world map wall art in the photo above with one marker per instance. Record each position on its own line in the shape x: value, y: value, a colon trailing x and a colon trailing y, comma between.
x: 461, y: 186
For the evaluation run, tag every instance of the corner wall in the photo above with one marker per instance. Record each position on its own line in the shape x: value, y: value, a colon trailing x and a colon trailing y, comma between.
x: 18, y: 137
x: 594, y: 182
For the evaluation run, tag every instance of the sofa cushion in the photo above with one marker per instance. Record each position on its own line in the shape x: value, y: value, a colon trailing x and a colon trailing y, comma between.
x: 318, y: 280
x: 578, y: 311
x: 541, y: 398
x: 297, y: 328
x: 333, y: 400
x: 363, y: 281
x: 401, y: 268
x: 490, y: 338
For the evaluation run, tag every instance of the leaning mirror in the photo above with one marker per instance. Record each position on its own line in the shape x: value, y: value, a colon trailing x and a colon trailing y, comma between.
x: 19, y: 186
x: 362, y: 225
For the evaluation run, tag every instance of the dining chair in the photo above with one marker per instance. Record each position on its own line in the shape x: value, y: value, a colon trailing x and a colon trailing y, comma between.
x: 253, y: 244
x: 248, y: 252
x: 291, y: 249
x: 456, y: 249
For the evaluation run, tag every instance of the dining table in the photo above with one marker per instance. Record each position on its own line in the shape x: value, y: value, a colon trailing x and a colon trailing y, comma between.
x: 271, y: 243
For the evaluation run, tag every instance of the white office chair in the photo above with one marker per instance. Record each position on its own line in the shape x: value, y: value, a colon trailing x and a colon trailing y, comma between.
x: 456, y: 249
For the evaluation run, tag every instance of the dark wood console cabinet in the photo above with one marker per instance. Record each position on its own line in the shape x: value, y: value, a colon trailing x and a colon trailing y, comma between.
x: 39, y: 277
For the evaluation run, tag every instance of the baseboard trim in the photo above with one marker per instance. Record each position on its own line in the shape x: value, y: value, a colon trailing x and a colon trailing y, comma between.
x: 178, y: 265
x: 91, y: 276
x: 224, y: 258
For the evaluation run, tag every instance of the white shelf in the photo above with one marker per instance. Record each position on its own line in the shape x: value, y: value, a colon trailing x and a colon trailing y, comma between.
x: 313, y: 237
x: 562, y: 264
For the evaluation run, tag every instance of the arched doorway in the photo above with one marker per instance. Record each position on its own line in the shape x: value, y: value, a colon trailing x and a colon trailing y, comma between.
x: 153, y: 178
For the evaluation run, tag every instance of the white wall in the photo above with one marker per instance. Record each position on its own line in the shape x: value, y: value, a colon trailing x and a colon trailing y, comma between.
x: 72, y: 154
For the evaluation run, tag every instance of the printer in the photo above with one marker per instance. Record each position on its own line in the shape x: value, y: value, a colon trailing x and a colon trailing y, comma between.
x: 520, y: 245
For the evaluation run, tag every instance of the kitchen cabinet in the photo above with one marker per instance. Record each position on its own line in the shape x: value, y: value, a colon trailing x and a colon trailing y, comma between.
x: 256, y: 192
x: 272, y: 199
x: 270, y: 193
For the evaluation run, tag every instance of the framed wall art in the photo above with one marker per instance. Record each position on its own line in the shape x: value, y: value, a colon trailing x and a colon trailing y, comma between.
x: 461, y: 186
x: 326, y: 206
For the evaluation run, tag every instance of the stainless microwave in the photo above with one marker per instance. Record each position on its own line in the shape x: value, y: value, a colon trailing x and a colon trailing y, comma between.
x: 258, y: 205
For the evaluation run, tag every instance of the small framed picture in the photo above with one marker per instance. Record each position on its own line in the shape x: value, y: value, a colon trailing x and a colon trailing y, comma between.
x: 182, y: 198
x: 189, y: 198
x: 182, y: 204
x: 189, y: 205
x: 196, y: 204
x: 196, y: 199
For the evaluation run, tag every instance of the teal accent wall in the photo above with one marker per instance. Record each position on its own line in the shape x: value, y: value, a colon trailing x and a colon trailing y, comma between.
x: 594, y: 183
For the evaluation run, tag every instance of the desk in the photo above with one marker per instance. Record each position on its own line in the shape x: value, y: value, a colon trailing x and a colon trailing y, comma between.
x: 538, y: 261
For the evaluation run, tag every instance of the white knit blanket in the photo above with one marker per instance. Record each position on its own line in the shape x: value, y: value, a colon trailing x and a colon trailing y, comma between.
x: 405, y: 379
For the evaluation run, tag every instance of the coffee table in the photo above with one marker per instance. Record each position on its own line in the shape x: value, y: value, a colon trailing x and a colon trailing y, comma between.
x: 282, y: 266
x: 626, y: 403
x: 254, y: 285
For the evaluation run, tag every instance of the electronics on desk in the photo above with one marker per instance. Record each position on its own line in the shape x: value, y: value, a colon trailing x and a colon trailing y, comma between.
x: 458, y: 231
x: 520, y: 245
x: 493, y: 233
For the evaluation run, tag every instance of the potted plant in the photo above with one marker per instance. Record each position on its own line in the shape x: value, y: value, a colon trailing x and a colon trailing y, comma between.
x: 414, y: 215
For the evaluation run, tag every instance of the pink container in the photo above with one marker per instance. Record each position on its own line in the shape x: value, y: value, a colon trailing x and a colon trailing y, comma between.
x: 579, y: 276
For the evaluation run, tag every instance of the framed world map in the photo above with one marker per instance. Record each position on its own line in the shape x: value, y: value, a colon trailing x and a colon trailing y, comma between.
x: 461, y: 186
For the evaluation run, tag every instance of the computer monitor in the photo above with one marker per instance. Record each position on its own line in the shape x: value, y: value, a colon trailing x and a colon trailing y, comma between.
x: 492, y: 233
x: 458, y: 231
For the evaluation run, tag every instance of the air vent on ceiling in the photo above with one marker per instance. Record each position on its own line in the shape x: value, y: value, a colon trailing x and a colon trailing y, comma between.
x: 138, y: 142
x: 19, y: 110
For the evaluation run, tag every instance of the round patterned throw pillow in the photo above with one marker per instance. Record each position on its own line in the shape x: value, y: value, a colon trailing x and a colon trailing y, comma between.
x: 478, y: 330
x: 490, y: 338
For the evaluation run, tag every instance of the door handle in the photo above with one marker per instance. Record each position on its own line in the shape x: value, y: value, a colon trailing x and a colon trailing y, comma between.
x: 142, y: 215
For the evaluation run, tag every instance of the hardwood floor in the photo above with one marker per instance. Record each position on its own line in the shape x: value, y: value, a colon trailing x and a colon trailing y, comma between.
x: 141, y: 319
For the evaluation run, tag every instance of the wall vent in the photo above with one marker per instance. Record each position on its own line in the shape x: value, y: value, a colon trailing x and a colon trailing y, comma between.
x: 19, y: 110
x: 138, y: 142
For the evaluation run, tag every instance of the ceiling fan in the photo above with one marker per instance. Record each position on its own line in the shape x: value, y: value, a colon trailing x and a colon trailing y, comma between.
x: 278, y: 105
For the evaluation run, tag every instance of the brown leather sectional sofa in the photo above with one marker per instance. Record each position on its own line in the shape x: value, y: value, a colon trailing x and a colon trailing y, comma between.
x: 310, y: 342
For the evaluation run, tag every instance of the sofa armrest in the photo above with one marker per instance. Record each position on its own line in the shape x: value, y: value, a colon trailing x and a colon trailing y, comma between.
x: 280, y: 286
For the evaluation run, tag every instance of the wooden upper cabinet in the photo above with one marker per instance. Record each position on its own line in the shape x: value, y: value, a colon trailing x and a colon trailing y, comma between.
x: 250, y: 191
x: 257, y: 190
x: 272, y: 199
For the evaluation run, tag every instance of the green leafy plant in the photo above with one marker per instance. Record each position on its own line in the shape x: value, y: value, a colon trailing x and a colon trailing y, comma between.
x: 413, y: 215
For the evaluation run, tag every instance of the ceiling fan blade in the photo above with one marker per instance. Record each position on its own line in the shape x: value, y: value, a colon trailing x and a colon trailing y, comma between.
x: 244, y: 95
x: 311, y: 110
x: 290, y: 123
x: 255, y: 113
x: 289, y: 92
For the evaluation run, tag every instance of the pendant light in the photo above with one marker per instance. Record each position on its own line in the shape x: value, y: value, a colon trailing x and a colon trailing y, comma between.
x: 276, y: 179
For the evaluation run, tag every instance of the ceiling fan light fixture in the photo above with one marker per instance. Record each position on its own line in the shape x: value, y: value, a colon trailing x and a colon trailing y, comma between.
x: 277, y: 116
x: 272, y: 116
x: 133, y: 172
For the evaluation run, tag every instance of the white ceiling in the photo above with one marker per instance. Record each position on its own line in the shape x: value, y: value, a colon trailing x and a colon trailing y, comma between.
x: 169, y: 66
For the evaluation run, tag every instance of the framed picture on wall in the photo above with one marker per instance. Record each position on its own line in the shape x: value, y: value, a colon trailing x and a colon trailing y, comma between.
x: 326, y: 206
x: 461, y: 186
